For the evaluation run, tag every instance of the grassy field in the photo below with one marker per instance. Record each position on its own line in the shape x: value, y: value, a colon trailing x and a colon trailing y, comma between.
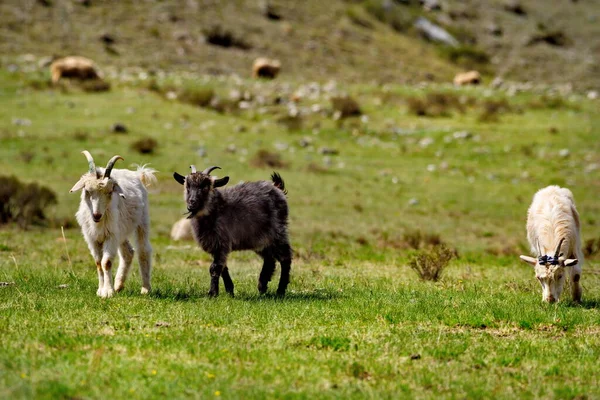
x: 357, y: 322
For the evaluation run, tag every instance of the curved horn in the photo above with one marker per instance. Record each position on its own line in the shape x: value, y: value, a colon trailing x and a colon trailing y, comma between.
x: 539, y: 249
x: 90, y: 159
x: 110, y: 165
x: 208, y: 170
x: 193, y: 167
x: 558, y: 248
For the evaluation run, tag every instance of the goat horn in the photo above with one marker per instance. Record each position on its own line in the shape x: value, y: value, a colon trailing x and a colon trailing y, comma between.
x: 110, y: 165
x: 90, y: 159
x: 208, y: 170
x: 193, y: 167
x: 539, y: 248
x: 556, y: 254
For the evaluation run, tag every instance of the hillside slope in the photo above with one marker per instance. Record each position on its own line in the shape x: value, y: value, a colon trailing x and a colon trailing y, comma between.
x: 313, y: 39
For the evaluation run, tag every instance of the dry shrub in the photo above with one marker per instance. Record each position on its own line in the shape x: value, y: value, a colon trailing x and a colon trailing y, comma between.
x: 430, y: 263
x: 196, y: 95
x: 292, y: 123
x: 218, y: 36
x: 435, y: 105
x: 346, y: 106
x: 95, y: 85
x: 417, y: 239
x: 145, y: 145
x: 491, y: 110
x: 23, y: 203
x: 265, y: 158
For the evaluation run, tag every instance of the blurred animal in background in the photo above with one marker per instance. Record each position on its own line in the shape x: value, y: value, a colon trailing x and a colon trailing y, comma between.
x: 266, y: 68
x: 74, y: 67
x: 467, y: 78
x: 553, y: 231
x: 247, y: 216
x: 182, y: 230
x: 114, y: 205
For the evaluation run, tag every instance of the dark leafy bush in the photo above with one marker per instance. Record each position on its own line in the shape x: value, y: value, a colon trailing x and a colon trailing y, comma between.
x: 430, y: 263
x: 23, y: 203
x: 218, y: 36
x: 346, y: 106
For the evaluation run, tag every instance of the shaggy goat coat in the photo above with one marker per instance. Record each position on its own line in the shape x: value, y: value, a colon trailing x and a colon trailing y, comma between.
x: 552, y: 217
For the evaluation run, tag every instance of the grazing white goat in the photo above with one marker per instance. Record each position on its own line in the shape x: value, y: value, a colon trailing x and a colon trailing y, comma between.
x: 553, y: 233
x: 114, y: 204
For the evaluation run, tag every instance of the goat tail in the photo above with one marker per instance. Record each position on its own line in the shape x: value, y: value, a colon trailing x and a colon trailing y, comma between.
x: 278, y: 182
x: 146, y: 175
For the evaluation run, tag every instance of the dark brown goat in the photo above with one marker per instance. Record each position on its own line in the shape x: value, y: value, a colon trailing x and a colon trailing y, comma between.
x: 247, y: 216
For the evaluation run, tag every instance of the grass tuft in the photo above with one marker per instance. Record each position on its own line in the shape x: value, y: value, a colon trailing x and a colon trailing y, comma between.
x: 429, y: 264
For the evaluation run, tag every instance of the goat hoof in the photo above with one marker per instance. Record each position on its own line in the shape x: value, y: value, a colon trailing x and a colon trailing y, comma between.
x: 262, y: 288
x: 280, y: 293
x: 107, y: 293
x: 212, y: 293
x: 145, y: 290
x: 119, y: 287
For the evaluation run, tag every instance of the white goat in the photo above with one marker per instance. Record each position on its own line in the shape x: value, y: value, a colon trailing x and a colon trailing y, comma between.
x: 114, y: 204
x: 553, y: 233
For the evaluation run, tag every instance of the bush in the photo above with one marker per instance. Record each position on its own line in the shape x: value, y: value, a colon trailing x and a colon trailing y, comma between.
x: 23, y: 203
x: 430, y: 263
x: 218, y: 36
x: 346, y: 106
x: 145, y: 145
x: 469, y: 57
x: 265, y: 158
x: 491, y: 109
x: 435, y: 105
x: 197, y: 95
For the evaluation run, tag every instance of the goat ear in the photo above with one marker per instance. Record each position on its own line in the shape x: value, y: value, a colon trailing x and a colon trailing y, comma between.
x: 119, y: 191
x: 179, y: 178
x: 77, y: 186
x: 220, y: 182
x: 529, y: 260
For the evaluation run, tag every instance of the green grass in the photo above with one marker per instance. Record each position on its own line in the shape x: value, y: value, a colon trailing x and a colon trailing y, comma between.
x: 357, y: 322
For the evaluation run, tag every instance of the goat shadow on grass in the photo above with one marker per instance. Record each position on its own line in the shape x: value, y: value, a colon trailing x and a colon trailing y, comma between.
x: 291, y: 296
x: 588, y: 304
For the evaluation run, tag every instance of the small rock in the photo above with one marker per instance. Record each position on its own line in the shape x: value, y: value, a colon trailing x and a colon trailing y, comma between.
x: 63, y: 286
x: 431, y: 167
x: 462, y: 135
x: 515, y: 7
x: 162, y: 324
x: 564, y: 153
x: 431, y: 5
x: 328, y: 151
x: 21, y: 122
x: 592, y: 94
x: 425, y: 142
x: 497, y: 82
x: 413, y: 202
x: 119, y: 128
x: 231, y: 148
x: 434, y: 32
x: 415, y: 356
x: 171, y: 95
x: 3, y: 284
x: 305, y: 142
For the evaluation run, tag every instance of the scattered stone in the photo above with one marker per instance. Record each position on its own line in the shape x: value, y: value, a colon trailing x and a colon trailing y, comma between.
x: 435, y: 33
x: 431, y: 168
x: 413, y: 202
x: 162, y: 324
x: 21, y: 122
x: 305, y: 142
x: 265, y: 68
x: 515, y: 7
x: 425, y: 142
x: 467, y: 78
x: 328, y: 151
x: 497, y: 82
x: 119, y: 128
x: 232, y: 148
x: 592, y: 94
x: 107, y: 38
x: 462, y: 135
x: 3, y: 284
x: 415, y: 356
x: 63, y: 286
x: 431, y: 5
x: 494, y: 29
x: 564, y: 153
